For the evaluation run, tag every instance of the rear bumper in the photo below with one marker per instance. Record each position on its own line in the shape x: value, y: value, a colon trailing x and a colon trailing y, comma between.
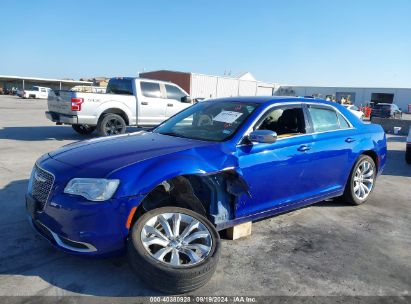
x: 62, y: 118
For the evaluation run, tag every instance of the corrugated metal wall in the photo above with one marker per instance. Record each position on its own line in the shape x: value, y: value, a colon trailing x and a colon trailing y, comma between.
x: 203, y: 86
x: 247, y: 88
x: 265, y: 89
x: 227, y: 87
x: 206, y: 86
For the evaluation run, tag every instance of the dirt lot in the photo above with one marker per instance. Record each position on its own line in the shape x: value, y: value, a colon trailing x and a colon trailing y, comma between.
x: 325, y: 249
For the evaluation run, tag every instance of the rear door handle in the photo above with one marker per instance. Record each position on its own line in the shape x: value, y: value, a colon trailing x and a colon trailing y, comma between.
x: 144, y: 103
x: 170, y: 105
x: 350, y: 140
x: 304, y: 148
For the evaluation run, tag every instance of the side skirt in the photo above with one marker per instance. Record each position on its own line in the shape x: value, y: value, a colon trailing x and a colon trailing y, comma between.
x: 278, y: 210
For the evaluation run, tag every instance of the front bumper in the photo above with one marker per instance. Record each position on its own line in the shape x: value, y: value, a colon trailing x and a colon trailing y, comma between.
x: 83, y: 228
x: 59, y: 241
x: 62, y: 118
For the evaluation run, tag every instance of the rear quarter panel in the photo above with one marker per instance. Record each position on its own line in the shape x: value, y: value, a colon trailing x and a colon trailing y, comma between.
x: 371, y: 138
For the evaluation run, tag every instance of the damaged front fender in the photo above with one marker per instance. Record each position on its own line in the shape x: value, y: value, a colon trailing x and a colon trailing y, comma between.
x: 217, y: 170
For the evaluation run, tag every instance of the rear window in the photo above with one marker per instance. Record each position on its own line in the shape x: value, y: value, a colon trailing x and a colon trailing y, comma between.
x: 383, y: 107
x: 324, y: 119
x: 120, y: 86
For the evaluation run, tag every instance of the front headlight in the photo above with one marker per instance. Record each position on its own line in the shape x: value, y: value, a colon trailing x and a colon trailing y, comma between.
x: 93, y: 189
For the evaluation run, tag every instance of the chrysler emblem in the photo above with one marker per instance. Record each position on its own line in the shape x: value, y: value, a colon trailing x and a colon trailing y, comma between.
x: 39, y: 178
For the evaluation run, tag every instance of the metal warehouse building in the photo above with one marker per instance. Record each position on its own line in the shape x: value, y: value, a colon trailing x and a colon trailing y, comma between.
x: 357, y: 95
x: 206, y: 86
x: 8, y: 82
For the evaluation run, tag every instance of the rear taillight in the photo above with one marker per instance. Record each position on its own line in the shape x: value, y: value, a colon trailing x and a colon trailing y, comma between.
x: 76, y: 104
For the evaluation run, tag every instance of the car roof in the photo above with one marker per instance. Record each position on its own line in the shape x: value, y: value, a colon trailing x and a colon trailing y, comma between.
x: 270, y: 99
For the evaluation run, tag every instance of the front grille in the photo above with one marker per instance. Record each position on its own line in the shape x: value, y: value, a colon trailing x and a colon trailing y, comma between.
x: 42, y: 182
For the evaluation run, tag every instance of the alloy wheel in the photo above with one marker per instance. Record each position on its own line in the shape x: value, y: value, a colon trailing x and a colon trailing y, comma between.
x: 113, y: 127
x: 176, y: 239
x: 363, y: 180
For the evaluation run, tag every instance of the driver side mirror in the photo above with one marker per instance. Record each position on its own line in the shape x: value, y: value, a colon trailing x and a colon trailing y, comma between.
x: 186, y: 99
x: 263, y: 136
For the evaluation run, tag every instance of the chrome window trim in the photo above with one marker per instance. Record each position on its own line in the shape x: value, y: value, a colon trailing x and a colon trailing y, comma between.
x: 250, y: 129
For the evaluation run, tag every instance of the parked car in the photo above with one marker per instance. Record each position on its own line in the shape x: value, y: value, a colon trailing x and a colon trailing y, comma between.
x: 408, y: 148
x: 127, y: 102
x: 355, y: 110
x: 386, y: 110
x: 36, y: 92
x: 162, y: 195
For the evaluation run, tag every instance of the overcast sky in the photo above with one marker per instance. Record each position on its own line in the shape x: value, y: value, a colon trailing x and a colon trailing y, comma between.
x: 341, y: 43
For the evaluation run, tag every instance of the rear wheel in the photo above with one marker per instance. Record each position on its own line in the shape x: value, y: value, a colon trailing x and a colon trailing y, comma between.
x: 83, y: 129
x: 174, y: 250
x: 361, y: 182
x: 111, y: 124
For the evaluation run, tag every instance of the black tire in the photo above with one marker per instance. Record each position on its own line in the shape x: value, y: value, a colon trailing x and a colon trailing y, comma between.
x: 163, y: 276
x: 349, y: 195
x: 408, y: 155
x: 111, y: 124
x: 83, y: 129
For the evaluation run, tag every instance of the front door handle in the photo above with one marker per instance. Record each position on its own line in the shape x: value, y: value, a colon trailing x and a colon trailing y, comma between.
x: 350, y: 140
x: 144, y: 103
x: 304, y: 148
x: 170, y: 105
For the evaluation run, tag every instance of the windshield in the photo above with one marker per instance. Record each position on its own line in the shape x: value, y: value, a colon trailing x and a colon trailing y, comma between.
x: 211, y: 120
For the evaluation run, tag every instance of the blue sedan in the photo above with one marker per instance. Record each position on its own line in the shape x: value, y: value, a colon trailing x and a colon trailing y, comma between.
x: 161, y: 196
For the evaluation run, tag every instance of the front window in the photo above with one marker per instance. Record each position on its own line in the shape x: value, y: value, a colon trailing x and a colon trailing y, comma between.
x: 174, y: 92
x: 211, y: 121
x: 286, y: 121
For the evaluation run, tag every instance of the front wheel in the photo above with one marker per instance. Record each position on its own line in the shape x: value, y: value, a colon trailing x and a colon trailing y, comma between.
x: 111, y: 124
x: 174, y: 250
x: 83, y: 129
x: 361, y: 182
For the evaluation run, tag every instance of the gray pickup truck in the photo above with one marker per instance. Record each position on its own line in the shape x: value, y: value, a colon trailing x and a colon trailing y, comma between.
x: 128, y: 101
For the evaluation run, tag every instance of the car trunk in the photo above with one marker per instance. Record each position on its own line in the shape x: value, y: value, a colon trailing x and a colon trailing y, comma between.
x: 381, y: 110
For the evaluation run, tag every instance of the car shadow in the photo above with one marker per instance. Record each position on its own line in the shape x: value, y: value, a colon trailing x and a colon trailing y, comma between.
x: 396, y: 164
x: 26, y: 254
x: 39, y: 133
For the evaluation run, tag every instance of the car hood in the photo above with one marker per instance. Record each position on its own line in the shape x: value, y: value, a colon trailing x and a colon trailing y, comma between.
x: 103, y: 155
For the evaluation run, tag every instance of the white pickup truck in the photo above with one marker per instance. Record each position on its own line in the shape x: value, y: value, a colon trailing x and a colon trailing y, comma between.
x: 128, y: 101
x: 36, y: 92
